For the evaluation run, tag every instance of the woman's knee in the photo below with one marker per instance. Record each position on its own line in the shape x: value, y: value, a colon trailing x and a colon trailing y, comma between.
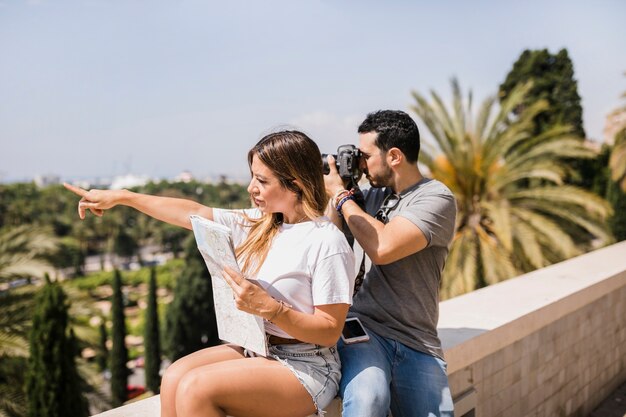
x: 192, y: 395
x: 173, y: 375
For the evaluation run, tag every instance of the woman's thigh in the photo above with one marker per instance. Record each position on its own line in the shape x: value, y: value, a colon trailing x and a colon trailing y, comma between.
x: 246, y: 387
x: 202, y: 358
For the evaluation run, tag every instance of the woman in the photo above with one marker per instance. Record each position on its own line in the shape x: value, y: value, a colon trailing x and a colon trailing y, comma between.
x: 305, y: 270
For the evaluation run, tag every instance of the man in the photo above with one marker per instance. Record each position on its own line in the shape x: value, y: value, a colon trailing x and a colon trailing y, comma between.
x: 405, y: 230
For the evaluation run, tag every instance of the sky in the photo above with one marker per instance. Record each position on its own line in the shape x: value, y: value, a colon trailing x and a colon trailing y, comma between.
x: 95, y: 89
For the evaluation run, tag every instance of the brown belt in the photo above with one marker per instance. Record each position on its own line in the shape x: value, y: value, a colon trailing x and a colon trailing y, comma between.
x: 277, y: 340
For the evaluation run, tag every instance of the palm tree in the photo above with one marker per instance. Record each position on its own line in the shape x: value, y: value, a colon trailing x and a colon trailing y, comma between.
x: 504, y: 226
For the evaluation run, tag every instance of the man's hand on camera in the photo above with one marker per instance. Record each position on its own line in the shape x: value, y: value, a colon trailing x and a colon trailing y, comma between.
x: 332, y: 181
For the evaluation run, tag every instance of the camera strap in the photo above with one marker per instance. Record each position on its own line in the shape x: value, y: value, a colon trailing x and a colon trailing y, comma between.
x: 360, y: 261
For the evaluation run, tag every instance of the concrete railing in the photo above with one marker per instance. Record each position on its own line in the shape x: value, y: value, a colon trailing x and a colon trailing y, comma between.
x: 548, y: 343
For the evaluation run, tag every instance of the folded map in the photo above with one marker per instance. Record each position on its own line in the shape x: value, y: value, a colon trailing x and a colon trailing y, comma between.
x: 234, y: 326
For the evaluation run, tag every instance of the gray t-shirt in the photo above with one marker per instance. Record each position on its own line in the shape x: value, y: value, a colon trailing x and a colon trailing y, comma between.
x: 400, y: 300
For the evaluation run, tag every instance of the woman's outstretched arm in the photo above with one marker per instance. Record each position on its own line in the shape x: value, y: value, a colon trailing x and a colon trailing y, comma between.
x: 175, y: 211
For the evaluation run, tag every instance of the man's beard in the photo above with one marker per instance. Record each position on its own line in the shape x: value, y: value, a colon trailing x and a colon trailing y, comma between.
x: 381, y: 180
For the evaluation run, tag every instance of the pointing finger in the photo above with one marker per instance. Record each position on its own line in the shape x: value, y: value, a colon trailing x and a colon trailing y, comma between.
x: 76, y: 190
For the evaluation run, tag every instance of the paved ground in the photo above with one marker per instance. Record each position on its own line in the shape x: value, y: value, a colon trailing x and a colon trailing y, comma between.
x: 614, y: 405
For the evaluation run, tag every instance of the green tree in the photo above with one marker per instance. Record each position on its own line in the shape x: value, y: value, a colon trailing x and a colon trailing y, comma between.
x: 191, y: 321
x: 124, y: 244
x: 151, y: 337
x: 553, y: 81
x: 53, y: 385
x: 119, y: 353
x: 171, y: 238
x: 504, y: 229
x: 103, y: 351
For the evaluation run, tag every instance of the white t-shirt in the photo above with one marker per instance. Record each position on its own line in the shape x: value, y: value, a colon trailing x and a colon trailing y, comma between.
x: 308, y: 264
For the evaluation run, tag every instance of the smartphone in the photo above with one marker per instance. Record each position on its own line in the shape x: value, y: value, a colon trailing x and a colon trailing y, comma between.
x: 353, y: 331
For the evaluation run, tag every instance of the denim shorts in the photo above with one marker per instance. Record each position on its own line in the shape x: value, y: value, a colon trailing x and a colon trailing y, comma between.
x: 317, y: 368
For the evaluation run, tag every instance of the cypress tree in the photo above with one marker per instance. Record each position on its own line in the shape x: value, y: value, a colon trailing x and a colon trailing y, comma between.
x: 103, y: 351
x: 151, y: 338
x: 553, y: 80
x: 119, y: 353
x: 191, y: 315
x: 53, y: 386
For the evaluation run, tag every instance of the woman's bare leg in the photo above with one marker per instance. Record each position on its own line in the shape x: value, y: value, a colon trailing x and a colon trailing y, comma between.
x: 179, y: 369
x: 251, y: 387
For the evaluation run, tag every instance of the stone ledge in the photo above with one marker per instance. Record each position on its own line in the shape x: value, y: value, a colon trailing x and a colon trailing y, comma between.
x: 150, y: 407
x: 477, y: 324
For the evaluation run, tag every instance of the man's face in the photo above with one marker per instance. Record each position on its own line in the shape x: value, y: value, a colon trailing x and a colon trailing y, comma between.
x: 373, y: 161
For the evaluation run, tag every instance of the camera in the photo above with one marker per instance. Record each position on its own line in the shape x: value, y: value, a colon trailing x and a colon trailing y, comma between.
x: 347, y: 163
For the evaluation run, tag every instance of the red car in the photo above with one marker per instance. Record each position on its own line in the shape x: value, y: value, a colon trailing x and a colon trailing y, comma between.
x: 135, y: 391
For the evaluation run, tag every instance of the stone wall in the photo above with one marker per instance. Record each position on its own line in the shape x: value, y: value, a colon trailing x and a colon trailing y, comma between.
x: 549, y: 343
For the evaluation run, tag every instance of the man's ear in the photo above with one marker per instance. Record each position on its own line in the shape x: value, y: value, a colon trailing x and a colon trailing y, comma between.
x: 394, y: 156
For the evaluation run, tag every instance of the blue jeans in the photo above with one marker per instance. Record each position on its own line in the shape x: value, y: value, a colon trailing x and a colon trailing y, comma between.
x: 382, y: 375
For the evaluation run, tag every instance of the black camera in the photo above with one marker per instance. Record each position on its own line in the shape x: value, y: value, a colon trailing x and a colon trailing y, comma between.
x: 347, y: 163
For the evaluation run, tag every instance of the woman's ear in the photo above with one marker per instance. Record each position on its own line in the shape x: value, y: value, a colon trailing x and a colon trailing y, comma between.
x: 298, y: 185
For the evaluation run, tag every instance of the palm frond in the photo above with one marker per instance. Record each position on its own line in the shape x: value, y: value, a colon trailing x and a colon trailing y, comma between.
x: 495, y: 260
x: 460, y: 269
x: 22, y: 250
x: 565, y: 195
x: 550, y: 232
x: 617, y: 163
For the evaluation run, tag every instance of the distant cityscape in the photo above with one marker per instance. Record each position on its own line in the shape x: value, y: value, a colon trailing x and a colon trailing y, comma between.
x: 119, y: 182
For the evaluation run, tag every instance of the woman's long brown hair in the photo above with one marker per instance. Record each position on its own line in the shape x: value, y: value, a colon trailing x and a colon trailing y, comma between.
x: 291, y: 155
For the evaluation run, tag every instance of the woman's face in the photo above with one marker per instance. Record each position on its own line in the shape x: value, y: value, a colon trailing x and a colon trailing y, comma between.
x: 267, y: 193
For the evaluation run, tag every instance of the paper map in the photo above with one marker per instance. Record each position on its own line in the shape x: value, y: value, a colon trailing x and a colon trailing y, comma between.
x: 216, y: 246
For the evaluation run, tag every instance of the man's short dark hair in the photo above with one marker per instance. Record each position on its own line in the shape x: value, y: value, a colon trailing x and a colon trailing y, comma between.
x: 395, y: 129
